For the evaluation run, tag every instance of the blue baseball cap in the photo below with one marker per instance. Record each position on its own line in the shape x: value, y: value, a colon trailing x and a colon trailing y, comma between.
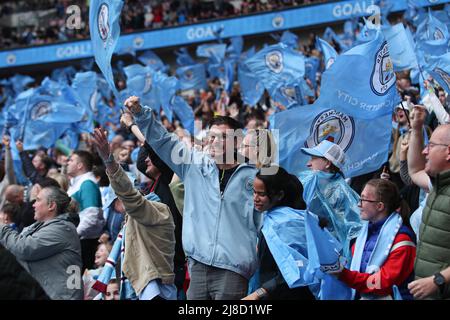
x: 328, y: 150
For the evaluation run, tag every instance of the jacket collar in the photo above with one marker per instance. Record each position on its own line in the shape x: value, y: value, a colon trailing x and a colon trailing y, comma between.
x: 443, y: 179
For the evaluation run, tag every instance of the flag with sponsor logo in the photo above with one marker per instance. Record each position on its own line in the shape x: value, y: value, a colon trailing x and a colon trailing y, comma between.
x: 104, y: 17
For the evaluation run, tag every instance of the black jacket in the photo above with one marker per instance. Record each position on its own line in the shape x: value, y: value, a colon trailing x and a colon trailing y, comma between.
x: 162, y: 190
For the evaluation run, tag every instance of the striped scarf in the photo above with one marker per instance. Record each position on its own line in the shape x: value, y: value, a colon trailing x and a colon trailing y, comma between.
x: 109, y: 270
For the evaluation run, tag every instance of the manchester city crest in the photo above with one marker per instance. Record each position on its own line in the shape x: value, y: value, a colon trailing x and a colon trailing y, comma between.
x: 274, y: 61
x: 444, y: 75
x: 103, y: 22
x: 383, y: 76
x: 334, y: 126
x: 40, y: 109
x: 278, y: 21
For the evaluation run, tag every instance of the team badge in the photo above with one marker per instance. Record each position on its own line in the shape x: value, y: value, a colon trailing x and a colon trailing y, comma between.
x: 274, y: 61
x: 103, y: 22
x: 383, y: 76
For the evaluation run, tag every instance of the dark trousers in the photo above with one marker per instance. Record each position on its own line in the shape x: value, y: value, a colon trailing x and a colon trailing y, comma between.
x: 88, y: 249
x: 211, y: 283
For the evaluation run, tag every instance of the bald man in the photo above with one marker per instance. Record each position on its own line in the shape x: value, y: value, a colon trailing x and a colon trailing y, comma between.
x: 433, y: 250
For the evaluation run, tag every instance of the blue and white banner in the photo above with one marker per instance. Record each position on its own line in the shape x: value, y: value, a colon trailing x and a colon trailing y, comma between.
x: 104, y: 26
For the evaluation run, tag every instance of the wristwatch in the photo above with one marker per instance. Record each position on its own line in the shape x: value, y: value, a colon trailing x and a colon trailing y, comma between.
x: 261, y: 293
x: 439, y: 280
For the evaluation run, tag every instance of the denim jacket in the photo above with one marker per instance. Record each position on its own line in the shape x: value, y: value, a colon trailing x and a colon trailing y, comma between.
x: 219, y: 230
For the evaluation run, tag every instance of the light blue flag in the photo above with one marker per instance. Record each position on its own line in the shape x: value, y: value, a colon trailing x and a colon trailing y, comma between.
x: 402, y: 52
x: 84, y: 86
x: 215, y: 51
x: 276, y: 65
x: 192, y: 77
x: 63, y: 75
x: 364, y: 137
x: 289, y: 95
x: 432, y: 37
x: 290, y: 39
x: 324, y: 254
x: 184, y: 112
x: 183, y: 57
x: 361, y: 82
x: 19, y: 82
x: 251, y: 88
x: 248, y: 54
x: 167, y: 88
x: 224, y: 72
x: 104, y: 16
x: 328, y: 52
x: 415, y: 13
x: 439, y: 69
x: 43, y: 119
x: 103, y: 87
x: 149, y: 58
x: 141, y: 82
x: 235, y: 47
x: 367, y: 33
x: 312, y: 65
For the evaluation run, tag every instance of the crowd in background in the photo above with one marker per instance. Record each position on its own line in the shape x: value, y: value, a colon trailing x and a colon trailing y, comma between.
x: 137, y: 15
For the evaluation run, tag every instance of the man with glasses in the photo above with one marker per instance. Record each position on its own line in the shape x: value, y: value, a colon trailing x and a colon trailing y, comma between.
x: 432, y: 269
x: 219, y: 221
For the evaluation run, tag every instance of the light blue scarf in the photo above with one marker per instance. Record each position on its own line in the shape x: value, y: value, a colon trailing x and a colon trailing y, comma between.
x: 381, y: 250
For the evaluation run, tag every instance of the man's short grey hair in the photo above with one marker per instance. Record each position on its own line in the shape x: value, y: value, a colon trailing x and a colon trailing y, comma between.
x: 59, y: 197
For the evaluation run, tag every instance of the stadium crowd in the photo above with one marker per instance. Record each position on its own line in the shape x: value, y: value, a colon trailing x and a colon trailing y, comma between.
x: 138, y: 15
x: 140, y: 209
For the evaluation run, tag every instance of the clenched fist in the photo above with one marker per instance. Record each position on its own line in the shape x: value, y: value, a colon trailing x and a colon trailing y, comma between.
x: 133, y: 104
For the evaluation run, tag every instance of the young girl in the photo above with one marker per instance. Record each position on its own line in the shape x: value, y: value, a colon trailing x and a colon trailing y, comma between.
x: 384, y: 252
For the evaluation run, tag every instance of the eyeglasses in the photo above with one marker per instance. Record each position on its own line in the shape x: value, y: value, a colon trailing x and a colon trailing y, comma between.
x: 361, y: 200
x: 431, y: 145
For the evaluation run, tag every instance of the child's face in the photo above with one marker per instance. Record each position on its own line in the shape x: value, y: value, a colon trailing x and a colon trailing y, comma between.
x: 4, y: 219
x: 112, y: 292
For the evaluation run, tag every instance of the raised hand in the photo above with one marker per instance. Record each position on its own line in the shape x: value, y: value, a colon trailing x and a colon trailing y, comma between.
x: 100, y: 141
x: 418, y: 117
x: 133, y: 104
x: 126, y: 119
x: 19, y: 145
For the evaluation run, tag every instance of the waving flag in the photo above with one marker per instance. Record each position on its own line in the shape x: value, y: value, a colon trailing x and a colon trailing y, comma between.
x: 251, y: 88
x: 192, y: 77
x: 184, y: 112
x: 85, y: 87
x: 290, y: 95
x: 328, y: 52
x: 235, y: 47
x: 141, y: 82
x: 104, y: 16
x: 362, y: 81
x: 276, y: 65
x: 183, y: 57
x: 312, y: 65
x: 43, y: 119
x: 167, y: 88
x: 215, y: 51
x: 290, y: 39
x: 432, y: 37
x: 149, y: 58
x: 439, y: 69
x: 401, y: 50
x: 354, y: 111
